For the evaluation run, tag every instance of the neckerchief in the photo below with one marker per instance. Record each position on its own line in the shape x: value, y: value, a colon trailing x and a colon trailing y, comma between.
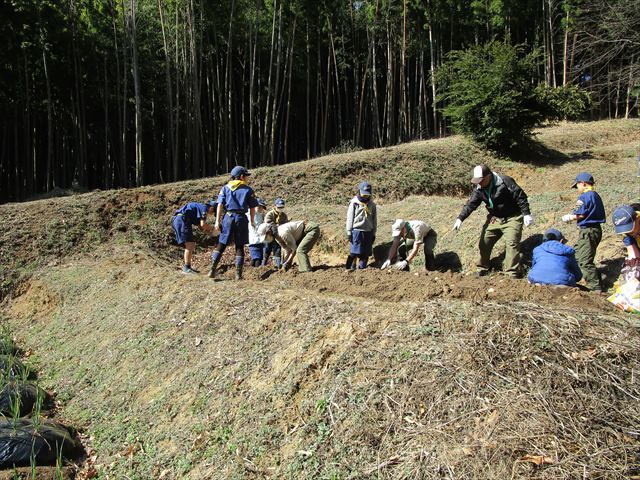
x: 235, y: 184
x: 363, y: 204
x: 277, y: 214
x: 488, y: 191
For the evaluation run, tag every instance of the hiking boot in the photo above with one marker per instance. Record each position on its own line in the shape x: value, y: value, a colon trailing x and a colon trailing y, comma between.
x: 238, y: 272
x: 188, y: 270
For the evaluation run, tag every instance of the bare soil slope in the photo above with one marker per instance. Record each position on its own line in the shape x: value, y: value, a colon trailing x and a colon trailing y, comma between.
x: 333, y: 374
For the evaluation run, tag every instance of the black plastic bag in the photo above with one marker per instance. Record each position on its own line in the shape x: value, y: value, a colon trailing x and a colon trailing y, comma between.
x: 12, y: 368
x: 21, y: 441
x: 27, y: 393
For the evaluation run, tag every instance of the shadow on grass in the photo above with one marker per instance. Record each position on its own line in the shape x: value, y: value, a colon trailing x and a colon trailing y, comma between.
x: 610, y: 271
x: 536, y: 153
x: 448, y: 262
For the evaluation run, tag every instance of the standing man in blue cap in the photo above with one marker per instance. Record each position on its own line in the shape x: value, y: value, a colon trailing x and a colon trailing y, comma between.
x: 626, y: 221
x: 590, y: 215
x: 362, y: 223
x: 234, y: 200
x: 508, y: 210
x: 193, y: 213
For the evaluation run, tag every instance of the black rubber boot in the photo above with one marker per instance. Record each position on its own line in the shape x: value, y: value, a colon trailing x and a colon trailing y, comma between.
x: 239, y: 272
x: 212, y: 270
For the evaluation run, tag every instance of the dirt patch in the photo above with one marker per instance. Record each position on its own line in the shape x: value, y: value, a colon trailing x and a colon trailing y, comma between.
x: 33, y: 301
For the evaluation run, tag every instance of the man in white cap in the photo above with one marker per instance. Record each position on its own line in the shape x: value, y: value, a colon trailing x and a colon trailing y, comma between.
x: 508, y: 210
x: 414, y: 234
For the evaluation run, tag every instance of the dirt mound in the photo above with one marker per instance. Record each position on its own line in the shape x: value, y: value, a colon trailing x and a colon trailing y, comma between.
x: 393, y: 286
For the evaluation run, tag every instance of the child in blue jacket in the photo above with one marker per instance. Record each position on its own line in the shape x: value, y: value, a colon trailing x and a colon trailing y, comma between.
x: 554, y: 263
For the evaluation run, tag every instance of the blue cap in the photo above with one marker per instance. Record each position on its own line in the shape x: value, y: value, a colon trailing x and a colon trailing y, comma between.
x: 212, y: 203
x: 238, y: 171
x: 553, y: 234
x: 624, y: 218
x: 583, y: 177
x: 279, y: 202
x: 364, y: 188
x: 261, y: 202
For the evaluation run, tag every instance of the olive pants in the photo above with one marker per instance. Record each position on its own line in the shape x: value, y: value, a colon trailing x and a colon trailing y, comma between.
x: 428, y: 246
x: 309, y: 238
x: 588, y: 241
x: 509, y: 228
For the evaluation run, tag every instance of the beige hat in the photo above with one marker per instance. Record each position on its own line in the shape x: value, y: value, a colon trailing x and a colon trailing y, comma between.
x: 263, y: 230
x: 396, y: 228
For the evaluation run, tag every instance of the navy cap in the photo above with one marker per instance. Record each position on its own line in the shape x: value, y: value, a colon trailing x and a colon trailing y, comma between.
x: 238, y: 171
x: 624, y: 218
x: 261, y: 202
x: 583, y: 177
x: 279, y: 202
x: 553, y: 234
x: 364, y: 188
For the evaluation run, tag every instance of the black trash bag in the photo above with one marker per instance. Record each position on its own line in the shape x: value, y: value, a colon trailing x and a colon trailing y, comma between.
x: 12, y: 368
x: 21, y: 441
x: 27, y: 393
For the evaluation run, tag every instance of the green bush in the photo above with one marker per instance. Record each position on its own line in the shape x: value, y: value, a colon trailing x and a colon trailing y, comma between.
x: 489, y: 94
x: 569, y: 102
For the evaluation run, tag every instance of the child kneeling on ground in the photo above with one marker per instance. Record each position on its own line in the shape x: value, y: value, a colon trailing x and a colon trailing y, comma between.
x: 554, y: 263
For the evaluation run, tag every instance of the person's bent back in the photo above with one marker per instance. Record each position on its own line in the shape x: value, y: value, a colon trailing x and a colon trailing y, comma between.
x: 554, y: 263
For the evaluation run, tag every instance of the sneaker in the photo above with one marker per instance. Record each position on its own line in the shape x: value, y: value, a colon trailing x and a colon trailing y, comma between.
x: 480, y: 273
x: 188, y: 270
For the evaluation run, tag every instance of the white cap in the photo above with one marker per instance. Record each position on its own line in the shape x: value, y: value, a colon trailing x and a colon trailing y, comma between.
x: 396, y: 228
x: 262, y: 231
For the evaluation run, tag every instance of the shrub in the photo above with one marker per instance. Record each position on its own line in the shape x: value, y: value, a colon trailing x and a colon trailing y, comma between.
x: 489, y: 95
x: 569, y: 102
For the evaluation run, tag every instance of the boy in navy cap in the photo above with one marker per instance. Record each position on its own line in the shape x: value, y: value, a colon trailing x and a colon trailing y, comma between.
x: 193, y: 213
x: 236, y: 197
x: 554, y: 263
x: 276, y: 216
x: 362, y: 222
x: 626, y: 221
x: 256, y: 246
x: 589, y: 213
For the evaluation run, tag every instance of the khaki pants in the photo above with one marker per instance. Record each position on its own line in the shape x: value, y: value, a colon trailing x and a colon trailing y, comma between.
x: 428, y: 247
x: 586, y: 247
x: 309, y: 239
x: 509, y: 228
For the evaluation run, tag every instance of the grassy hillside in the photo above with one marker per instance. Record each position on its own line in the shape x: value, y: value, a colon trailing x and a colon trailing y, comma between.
x: 333, y: 375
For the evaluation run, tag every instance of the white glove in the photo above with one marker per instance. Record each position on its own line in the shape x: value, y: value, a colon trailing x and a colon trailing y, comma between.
x: 401, y: 265
x: 385, y: 264
x: 569, y: 217
x: 457, y: 225
x: 528, y: 220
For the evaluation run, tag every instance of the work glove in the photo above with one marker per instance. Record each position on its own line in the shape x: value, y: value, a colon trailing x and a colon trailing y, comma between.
x: 457, y: 225
x: 401, y: 265
x: 569, y: 217
x: 385, y: 264
x: 349, y: 236
x: 528, y: 220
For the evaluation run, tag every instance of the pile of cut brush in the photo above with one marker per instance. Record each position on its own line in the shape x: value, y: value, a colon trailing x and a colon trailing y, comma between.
x: 487, y: 390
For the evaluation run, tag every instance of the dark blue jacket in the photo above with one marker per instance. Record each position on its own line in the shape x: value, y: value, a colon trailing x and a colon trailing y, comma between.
x: 590, y: 205
x: 554, y: 263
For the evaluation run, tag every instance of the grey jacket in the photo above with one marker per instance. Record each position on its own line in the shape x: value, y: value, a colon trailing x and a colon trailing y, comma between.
x: 362, y: 216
